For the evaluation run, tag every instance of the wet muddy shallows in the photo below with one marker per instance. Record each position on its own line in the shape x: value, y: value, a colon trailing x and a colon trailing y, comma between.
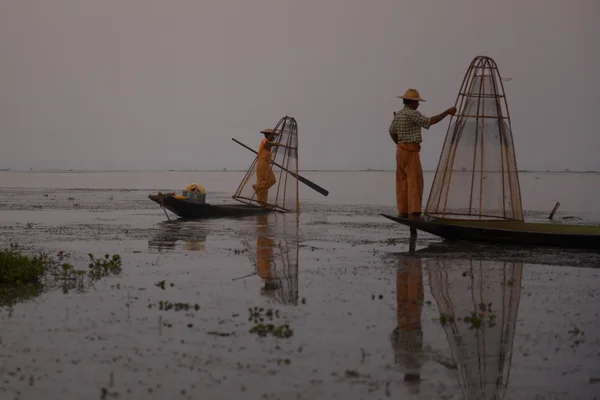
x: 330, y: 304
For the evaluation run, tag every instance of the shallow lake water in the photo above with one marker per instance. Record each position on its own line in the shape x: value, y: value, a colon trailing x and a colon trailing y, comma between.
x: 369, y: 318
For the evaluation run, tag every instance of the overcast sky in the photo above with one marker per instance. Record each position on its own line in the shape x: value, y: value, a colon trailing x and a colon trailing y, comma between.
x: 166, y: 84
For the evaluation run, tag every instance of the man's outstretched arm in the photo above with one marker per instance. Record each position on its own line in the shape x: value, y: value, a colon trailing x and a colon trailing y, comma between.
x: 437, y: 118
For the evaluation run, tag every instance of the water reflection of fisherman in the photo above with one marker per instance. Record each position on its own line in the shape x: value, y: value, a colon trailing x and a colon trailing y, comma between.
x: 407, y: 337
x: 264, y: 255
x: 265, y: 178
x: 277, y: 263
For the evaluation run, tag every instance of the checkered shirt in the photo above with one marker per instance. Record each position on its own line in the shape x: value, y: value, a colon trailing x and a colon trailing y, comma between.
x: 407, y: 124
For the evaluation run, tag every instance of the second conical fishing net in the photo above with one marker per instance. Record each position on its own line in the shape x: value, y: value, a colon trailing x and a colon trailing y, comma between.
x: 273, y: 182
x: 477, y: 176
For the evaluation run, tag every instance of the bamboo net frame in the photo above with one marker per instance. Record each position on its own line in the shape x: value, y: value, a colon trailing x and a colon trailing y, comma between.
x: 283, y: 196
x: 477, y: 175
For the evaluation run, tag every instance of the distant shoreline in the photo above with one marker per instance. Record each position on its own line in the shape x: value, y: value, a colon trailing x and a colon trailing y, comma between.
x: 524, y: 171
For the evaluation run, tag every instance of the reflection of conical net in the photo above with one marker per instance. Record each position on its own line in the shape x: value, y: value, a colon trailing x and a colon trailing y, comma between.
x: 478, y: 302
x: 277, y: 260
x: 283, y: 192
x: 286, y: 274
x: 477, y: 174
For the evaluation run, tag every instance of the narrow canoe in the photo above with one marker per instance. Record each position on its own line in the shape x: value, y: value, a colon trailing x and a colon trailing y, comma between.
x: 507, y: 232
x: 189, y: 209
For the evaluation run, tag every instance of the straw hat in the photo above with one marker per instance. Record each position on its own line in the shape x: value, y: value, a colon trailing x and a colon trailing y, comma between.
x: 270, y: 131
x: 411, y: 94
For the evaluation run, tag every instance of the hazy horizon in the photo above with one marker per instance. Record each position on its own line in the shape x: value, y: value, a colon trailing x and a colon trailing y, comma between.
x: 154, y: 85
x: 566, y: 170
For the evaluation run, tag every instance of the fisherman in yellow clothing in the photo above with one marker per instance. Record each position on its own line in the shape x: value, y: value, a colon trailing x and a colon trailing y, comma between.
x: 265, y: 178
x: 405, y: 131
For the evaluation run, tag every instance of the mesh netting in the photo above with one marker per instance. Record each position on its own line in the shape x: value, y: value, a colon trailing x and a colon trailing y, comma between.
x: 477, y: 176
x: 277, y: 178
x: 478, y: 302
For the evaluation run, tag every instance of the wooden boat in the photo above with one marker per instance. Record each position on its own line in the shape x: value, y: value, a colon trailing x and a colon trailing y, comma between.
x: 509, y: 232
x: 279, y: 193
x: 185, y: 208
x: 475, y: 194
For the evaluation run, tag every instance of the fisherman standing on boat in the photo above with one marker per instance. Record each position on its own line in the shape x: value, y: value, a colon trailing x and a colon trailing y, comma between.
x: 265, y: 178
x: 405, y: 131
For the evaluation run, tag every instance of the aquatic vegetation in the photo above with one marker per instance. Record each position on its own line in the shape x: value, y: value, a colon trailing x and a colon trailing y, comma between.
x: 281, y: 331
x: 577, y: 336
x: 474, y: 320
x: 477, y: 320
x: 222, y: 334
x: 23, y: 276
x: 162, y: 284
x: 350, y: 373
x: 101, y: 267
x: 19, y: 269
x: 259, y: 314
x: 167, y: 306
x: 444, y: 319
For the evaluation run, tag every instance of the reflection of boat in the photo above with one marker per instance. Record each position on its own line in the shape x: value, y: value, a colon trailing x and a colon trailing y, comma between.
x: 528, y: 255
x: 478, y: 302
x: 509, y: 232
x: 170, y: 233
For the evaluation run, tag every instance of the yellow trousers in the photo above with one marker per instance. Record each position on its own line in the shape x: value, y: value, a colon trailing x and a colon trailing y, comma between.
x: 409, y: 179
x: 265, y: 178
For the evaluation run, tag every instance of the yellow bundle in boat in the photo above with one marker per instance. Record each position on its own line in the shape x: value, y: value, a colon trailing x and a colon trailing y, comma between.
x: 195, y: 187
x: 195, y: 192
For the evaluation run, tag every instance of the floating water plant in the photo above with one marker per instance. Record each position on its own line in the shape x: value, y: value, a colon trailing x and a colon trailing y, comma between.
x: 25, y: 276
x: 259, y: 314
x: 281, y: 331
x: 167, y: 305
x: 18, y: 269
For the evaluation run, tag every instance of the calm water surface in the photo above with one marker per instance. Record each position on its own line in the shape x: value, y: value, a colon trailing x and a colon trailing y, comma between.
x: 577, y: 192
x: 369, y: 318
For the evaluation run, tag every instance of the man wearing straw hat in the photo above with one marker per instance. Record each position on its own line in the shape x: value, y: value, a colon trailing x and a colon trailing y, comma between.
x: 265, y: 178
x: 405, y: 131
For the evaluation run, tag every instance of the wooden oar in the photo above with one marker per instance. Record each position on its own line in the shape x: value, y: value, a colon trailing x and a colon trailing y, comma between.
x: 302, y: 179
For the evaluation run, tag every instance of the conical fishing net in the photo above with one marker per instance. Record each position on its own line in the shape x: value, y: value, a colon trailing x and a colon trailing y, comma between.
x: 271, y: 181
x: 477, y: 176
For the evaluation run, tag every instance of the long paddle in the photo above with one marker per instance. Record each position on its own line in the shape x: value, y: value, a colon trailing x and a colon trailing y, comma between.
x: 302, y: 179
